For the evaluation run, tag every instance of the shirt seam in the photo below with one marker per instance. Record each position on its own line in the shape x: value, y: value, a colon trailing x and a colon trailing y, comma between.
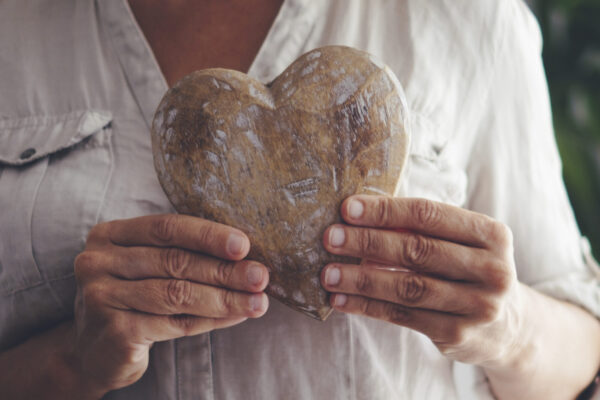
x: 115, y: 47
x: 16, y: 122
x: 130, y: 24
x: 142, y: 38
x: 20, y: 289
x: 492, y: 76
x: 210, y: 365
x: 352, y: 357
x: 177, y: 374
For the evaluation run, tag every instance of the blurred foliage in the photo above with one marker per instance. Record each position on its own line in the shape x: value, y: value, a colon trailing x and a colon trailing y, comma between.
x: 571, y: 30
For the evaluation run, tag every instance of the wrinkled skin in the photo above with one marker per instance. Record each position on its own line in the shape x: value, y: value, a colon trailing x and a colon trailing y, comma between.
x: 452, y: 277
x: 156, y: 278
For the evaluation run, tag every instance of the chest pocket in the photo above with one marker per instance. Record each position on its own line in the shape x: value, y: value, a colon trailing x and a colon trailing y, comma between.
x: 53, y: 174
x: 430, y: 173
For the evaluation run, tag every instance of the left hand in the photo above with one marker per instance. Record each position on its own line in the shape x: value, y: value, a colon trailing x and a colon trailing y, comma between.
x: 456, y: 281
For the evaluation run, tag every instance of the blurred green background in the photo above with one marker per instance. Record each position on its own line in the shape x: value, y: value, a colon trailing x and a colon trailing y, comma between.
x: 571, y: 30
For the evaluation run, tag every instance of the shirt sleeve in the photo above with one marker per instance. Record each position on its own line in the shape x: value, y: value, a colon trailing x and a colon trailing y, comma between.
x: 515, y: 172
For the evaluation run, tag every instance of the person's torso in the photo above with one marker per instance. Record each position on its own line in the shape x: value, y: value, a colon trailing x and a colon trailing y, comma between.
x: 78, y: 89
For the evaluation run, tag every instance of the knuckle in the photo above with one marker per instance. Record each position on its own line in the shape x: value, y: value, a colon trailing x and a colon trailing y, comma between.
x: 499, y: 234
x: 224, y: 272
x: 455, y: 335
x: 98, y: 232
x: 489, y: 310
x: 409, y: 288
x: 363, y: 282
x: 366, y: 306
x: 85, y: 262
x: 427, y: 213
x: 397, y: 314
x: 383, y: 211
x: 208, y: 234
x: 226, y: 302
x: 163, y: 229
x: 178, y: 293
x: 417, y: 250
x: 498, y: 275
x: 175, y: 262
x: 185, y: 323
x: 370, y: 242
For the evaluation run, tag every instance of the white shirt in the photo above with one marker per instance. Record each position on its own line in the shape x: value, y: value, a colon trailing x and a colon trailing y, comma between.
x: 78, y: 89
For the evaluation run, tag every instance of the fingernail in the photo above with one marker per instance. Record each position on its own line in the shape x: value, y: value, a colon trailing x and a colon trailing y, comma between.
x: 235, y: 244
x: 340, y: 300
x: 337, y: 237
x: 256, y: 302
x: 355, y: 209
x: 255, y: 274
x: 332, y: 276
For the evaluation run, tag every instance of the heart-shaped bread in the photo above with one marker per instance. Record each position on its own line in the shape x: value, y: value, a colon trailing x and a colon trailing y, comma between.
x: 276, y: 161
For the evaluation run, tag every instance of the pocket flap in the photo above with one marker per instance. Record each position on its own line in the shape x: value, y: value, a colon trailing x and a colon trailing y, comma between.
x: 427, y: 140
x: 24, y: 140
x: 429, y: 172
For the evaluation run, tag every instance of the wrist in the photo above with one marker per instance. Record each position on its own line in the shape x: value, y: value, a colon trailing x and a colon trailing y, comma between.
x: 69, y: 372
x: 557, y: 353
x: 515, y: 345
x: 519, y: 359
x: 45, y: 366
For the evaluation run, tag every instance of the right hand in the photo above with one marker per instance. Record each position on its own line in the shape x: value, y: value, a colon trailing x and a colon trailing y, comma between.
x: 156, y: 278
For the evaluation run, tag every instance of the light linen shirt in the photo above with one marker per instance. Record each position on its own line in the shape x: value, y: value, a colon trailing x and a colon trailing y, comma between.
x: 78, y: 89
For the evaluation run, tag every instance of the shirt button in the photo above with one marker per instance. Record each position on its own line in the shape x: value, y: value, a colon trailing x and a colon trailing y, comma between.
x: 27, y: 154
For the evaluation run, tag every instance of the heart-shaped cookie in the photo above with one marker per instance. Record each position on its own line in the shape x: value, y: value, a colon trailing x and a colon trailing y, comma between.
x: 276, y: 161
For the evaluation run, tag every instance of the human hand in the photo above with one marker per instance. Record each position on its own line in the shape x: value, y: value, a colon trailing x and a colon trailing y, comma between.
x: 156, y: 278
x: 456, y: 282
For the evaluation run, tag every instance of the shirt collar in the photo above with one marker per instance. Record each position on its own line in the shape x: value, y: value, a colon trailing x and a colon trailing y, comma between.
x: 283, y: 44
x: 138, y: 63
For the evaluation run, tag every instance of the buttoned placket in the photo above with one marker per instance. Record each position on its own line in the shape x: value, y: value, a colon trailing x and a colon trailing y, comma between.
x: 193, y: 355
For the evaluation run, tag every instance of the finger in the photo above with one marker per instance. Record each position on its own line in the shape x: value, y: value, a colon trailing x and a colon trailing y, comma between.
x: 380, y: 265
x: 183, y: 231
x: 438, y: 326
x: 157, y: 328
x: 419, y: 253
x: 173, y: 296
x: 153, y: 262
x: 427, y: 217
x: 405, y: 288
